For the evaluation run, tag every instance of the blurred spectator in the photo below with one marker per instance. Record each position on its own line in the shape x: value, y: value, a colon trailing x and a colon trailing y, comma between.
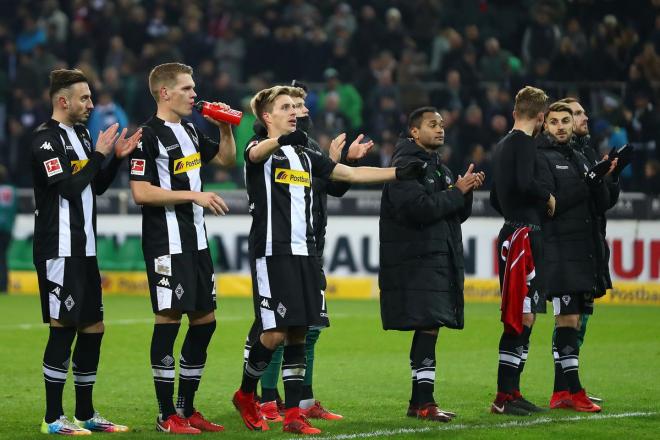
x: 453, y: 96
x: 229, y: 51
x: 494, y: 64
x: 105, y: 113
x: 472, y: 129
x: 541, y: 37
x: 30, y: 36
x: 395, y: 36
x: 8, y: 206
x: 348, y: 97
x: 651, y: 185
x: 368, y: 33
x: 331, y: 120
x: 53, y: 17
x: 477, y: 155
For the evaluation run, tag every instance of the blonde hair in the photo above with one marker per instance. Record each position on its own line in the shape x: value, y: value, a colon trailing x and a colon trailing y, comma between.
x: 165, y: 75
x: 530, y: 101
x: 263, y: 101
x: 297, y: 92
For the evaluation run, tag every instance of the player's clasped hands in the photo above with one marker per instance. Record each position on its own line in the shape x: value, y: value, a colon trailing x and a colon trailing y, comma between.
x: 212, y: 202
x: 470, y: 180
x: 109, y: 139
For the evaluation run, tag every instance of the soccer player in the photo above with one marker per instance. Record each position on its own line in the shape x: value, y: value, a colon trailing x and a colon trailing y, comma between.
x: 572, y: 242
x: 165, y: 180
x: 68, y: 174
x: 270, y: 401
x: 580, y: 141
x: 421, y: 253
x: 279, y: 175
x: 522, y: 202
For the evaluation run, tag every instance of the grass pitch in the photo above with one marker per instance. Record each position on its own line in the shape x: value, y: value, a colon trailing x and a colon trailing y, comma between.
x: 361, y: 372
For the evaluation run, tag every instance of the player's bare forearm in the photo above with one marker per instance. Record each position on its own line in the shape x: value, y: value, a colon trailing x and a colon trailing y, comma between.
x: 363, y: 174
x: 263, y: 150
x: 226, y: 156
x: 144, y: 193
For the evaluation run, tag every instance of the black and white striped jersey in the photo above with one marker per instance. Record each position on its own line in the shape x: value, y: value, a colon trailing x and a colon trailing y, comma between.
x: 280, y: 198
x: 63, y: 227
x: 170, y: 156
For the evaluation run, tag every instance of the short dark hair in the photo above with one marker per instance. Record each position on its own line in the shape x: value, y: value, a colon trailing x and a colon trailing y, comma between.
x: 64, y: 78
x: 558, y: 107
x: 568, y: 100
x: 416, y: 116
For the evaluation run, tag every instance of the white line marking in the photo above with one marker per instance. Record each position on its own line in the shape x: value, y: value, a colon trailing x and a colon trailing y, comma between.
x: 115, y: 322
x: 461, y: 427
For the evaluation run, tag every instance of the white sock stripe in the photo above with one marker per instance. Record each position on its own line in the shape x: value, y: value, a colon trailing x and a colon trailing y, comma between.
x: 50, y: 367
x: 187, y: 365
x: 426, y: 369
x: 163, y: 380
x: 54, y: 374
x: 84, y: 379
x: 508, y: 364
x: 48, y: 379
x: 84, y: 373
x: 510, y: 353
x: 426, y: 381
x: 253, y: 372
x: 162, y: 373
x: 425, y: 375
x: 568, y: 363
x: 286, y: 372
x: 191, y: 371
x: 515, y: 360
x: 84, y: 384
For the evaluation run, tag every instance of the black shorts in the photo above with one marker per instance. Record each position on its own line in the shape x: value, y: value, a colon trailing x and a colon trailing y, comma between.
x: 70, y: 290
x: 184, y: 282
x: 286, y: 292
x: 536, y: 294
x: 573, y: 304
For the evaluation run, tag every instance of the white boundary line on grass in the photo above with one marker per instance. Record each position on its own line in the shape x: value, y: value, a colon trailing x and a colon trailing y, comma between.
x: 461, y: 427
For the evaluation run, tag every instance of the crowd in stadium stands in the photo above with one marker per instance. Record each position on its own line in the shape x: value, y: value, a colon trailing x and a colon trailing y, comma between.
x: 368, y: 64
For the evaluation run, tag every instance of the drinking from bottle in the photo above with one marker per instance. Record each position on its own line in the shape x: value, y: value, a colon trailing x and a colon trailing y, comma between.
x: 218, y: 113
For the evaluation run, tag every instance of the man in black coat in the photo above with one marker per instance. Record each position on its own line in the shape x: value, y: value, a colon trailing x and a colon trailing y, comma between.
x: 421, y: 253
x: 573, y: 246
x: 580, y: 141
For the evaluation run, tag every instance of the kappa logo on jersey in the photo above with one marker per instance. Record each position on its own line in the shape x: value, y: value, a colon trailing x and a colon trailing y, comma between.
x: 137, y: 167
x: 53, y: 166
x: 139, y: 146
x: 47, y: 146
x: 78, y: 165
x: 264, y: 303
x: 164, y: 282
x: 292, y: 177
x: 187, y: 163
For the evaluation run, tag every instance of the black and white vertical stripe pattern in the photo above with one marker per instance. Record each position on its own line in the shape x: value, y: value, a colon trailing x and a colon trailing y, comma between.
x: 54, y: 374
x: 282, y: 213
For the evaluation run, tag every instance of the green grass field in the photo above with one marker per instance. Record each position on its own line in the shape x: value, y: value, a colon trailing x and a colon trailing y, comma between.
x: 361, y: 372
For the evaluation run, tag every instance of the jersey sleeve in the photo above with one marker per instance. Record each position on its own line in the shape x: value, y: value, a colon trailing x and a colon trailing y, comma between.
x: 208, y: 148
x: 143, y: 158
x: 51, y: 161
x: 251, y: 143
x: 321, y: 166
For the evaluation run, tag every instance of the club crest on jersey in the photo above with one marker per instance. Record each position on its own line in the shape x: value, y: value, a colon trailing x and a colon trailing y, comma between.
x: 53, y: 166
x: 47, y: 146
x: 193, y: 135
x: 292, y: 177
x: 87, y: 143
x: 187, y: 163
x: 78, y: 165
x: 137, y: 167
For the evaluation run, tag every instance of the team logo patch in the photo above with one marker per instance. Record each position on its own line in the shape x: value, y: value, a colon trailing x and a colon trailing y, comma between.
x: 187, y: 163
x: 164, y: 282
x: 78, y: 165
x: 281, y: 310
x: 47, y: 146
x: 163, y: 265
x: 292, y: 177
x: 566, y: 299
x: 264, y: 303
x: 137, y: 167
x: 53, y: 166
x: 448, y: 180
x: 179, y: 291
x: 536, y: 297
x: 428, y: 362
x: 167, y: 360
x: 69, y: 303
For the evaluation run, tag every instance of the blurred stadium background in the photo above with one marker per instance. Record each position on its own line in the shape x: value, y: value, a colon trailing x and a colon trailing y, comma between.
x: 368, y: 63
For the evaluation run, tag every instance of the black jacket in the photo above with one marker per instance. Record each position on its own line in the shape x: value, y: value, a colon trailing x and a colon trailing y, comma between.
x: 574, y: 250
x: 421, y: 250
x: 582, y: 144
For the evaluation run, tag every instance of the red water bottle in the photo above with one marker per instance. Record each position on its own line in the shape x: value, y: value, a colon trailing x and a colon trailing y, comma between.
x: 218, y: 113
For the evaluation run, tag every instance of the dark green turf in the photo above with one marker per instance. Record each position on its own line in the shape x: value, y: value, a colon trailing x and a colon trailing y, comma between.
x: 361, y: 372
